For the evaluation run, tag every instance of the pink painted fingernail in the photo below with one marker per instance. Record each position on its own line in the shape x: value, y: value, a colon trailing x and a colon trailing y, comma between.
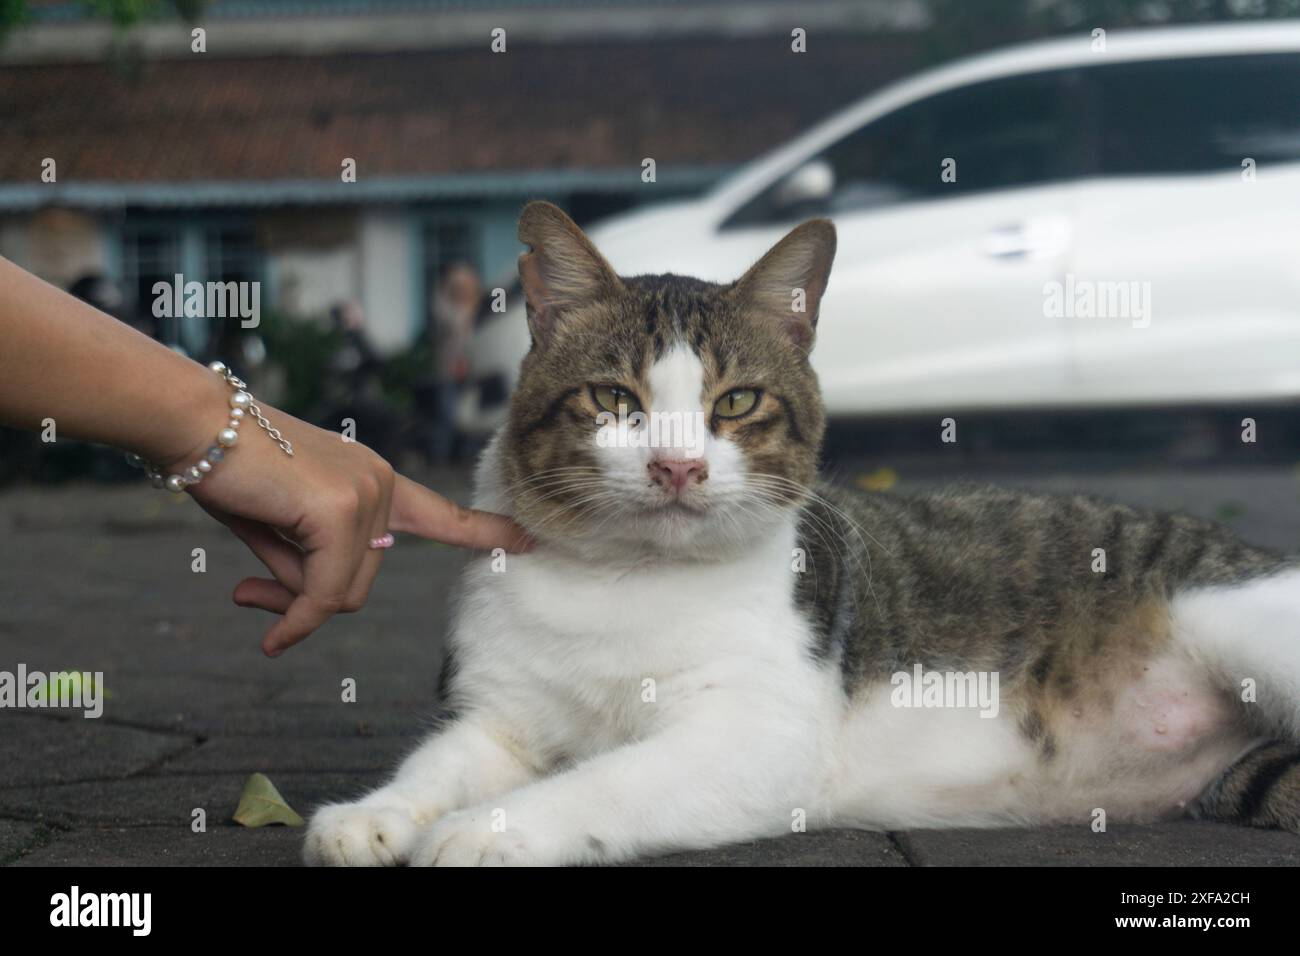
x: 383, y: 541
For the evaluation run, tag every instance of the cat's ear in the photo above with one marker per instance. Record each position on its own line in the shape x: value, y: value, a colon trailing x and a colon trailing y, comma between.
x: 561, y: 269
x: 788, y: 283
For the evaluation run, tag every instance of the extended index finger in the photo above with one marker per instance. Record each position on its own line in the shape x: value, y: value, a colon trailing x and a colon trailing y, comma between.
x: 422, y: 511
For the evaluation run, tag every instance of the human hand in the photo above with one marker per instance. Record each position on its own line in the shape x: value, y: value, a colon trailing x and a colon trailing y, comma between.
x: 310, y: 519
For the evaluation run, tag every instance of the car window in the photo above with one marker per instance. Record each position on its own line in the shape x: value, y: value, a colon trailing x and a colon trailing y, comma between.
x: 1015, y: 131
x: 1196, y: 115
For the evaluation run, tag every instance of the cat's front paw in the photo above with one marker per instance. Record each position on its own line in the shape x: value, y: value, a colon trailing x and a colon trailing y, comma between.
x: 477, y: 838
x: 360, y: 834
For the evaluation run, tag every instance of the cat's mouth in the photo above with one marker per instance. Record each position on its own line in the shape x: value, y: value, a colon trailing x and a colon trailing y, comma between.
x: 677, y: 506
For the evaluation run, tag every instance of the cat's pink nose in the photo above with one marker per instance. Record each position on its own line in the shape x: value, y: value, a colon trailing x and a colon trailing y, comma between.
x: 677, y: 473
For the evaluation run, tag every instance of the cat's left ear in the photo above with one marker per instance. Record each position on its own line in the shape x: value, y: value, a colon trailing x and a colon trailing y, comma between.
x: 788, y: 283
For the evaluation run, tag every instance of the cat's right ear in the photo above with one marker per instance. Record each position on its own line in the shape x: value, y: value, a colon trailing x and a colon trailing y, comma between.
x: 561, y: 270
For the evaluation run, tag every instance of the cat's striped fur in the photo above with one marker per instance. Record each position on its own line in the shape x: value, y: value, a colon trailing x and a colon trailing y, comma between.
x: 990, y: 579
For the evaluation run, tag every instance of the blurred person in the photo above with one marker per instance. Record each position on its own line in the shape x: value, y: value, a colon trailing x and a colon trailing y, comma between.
x: 452, y: 312
x: 355, y: 365
x: 354, y: 389
x: 319, y: 518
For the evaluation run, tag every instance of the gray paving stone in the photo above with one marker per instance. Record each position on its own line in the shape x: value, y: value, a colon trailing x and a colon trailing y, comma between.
x: 273, y: 755
x: 181, y: 703
x: 170, y: 846
x: 819, y: 848
x: 17, y: 838
x: 224, y: 845
x: 397, y: 719
x: 203, y: 706
x: 42, y: 749
x: 168, y: 800
x: 1185, y: 843
x: 373, y: 683
x: 157, y: 651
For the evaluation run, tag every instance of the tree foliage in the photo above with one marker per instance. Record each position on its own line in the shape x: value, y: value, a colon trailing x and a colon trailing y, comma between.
x: 964, y: 26
x: 123, y: 14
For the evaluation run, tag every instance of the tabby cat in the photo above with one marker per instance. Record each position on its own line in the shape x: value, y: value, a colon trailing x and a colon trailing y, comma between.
x: 707, y: 646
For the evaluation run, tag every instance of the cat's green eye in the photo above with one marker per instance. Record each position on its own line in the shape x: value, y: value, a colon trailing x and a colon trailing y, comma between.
x: 736, y: 403
x: 611, y: 398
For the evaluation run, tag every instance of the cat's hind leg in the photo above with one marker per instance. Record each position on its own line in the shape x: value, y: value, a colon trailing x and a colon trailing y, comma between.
x: 1262, y: 789
x: 463, y: 763
x: 1248, y: 635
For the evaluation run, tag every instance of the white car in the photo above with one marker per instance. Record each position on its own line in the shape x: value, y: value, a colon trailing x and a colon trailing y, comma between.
x: 1069, y: 223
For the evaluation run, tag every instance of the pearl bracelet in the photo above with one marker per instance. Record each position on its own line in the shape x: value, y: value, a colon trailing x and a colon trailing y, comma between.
x: 241, y: 405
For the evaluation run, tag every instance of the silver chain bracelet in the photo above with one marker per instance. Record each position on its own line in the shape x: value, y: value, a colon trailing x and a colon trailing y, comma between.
x: 241, y: 405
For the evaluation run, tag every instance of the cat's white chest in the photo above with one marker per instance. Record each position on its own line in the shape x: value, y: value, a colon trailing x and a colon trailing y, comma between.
x: 592, y: 658
x: 678, y: 612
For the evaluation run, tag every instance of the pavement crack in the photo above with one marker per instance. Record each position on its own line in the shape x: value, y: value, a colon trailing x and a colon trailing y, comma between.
x: 44, y: 834
x: 153, y: 768
x: 903, y: 845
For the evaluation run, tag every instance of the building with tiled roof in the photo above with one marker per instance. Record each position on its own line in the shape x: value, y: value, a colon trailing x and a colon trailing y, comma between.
x: 227, y: 163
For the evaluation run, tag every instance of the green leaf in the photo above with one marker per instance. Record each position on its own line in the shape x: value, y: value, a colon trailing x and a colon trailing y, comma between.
x: 261, y: 805
x: 68, y: 686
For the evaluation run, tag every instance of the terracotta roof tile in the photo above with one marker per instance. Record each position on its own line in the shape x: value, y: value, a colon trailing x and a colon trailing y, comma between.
x: 419, y: 113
